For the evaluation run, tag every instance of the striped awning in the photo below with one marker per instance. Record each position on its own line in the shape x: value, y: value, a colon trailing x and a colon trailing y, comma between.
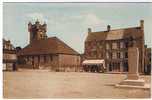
x: 93, y: 62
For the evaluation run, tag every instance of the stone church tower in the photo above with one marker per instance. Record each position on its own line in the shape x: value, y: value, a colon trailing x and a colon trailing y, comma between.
x: 37, y: 31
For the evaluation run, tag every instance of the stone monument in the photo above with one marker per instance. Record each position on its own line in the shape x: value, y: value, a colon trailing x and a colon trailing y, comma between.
x: 133, y: 79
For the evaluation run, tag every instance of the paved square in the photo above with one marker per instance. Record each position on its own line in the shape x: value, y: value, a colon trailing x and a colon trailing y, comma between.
x: 46, y: 84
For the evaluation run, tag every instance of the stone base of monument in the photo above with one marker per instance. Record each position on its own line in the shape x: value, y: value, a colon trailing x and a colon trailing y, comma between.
x: 133, y: 80
x: 139, y: 83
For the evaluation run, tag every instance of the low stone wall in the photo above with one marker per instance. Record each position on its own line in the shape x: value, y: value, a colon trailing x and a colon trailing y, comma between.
x: 51, y: 67
x: 25, y: 66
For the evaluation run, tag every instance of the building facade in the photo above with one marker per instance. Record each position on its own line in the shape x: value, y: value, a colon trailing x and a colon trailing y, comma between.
x: 112, y: 46
x: 47, y: 52
x: 147, y: 68
x: 9, y: 56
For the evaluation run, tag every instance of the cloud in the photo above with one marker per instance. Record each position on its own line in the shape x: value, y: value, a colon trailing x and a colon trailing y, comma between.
x: 92, y: 20
x: 34, y: 16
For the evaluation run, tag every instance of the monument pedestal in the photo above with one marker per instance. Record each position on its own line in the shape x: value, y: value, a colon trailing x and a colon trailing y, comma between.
x: 139, y: 82
x: 133, y: 80
x: 133, y: 76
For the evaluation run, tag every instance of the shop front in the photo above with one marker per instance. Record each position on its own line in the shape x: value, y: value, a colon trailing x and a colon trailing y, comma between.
x: 93, y: 65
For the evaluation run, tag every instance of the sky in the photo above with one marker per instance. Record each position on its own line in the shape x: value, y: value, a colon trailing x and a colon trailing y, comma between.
x: 70, y: 21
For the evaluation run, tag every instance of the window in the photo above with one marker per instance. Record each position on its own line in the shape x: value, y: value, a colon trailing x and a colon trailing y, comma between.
x: 107, y: 55
x: 99, y: 55
x: 93, y: 48
x: 9, y: 47
x: 32, y: 60
x: 121, y: 64
x: 118, y: 54
x: 126, y: 54
x: 51, y: 57
x: 118, y: 45
x: 121, y: 54
x: 108, y: 65
x: 44, y: 59
x: 27, y: 58
x: 121, y: 45
x: 101, y: 42
x: 87, y: 54
x: 98, y: 43
x: 100, y: 46
x: 5, y: 47
x: 125, y: 66
x: 126, y: 44
x: 94, y: 53
x: 110, y: 55
x: 114, y: 45
x: 107, y: 46
x: 38, y: 59
x: 114, y: 55
x: 91, y: 54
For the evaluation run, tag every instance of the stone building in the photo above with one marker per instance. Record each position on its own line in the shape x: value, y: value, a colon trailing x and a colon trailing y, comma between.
x: 112, y: 46
x: 48, y: 52
x: 9, y: 56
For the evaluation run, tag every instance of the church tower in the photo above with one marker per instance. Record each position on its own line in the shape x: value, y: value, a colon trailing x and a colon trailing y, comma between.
x: 37, y: 31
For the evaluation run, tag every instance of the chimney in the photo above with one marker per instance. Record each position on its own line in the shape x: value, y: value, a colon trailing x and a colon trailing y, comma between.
x: 29, y: 23
x: 142, y: 24
x: 108, y: 28
x: 29, y: 26
x: 89, y: 30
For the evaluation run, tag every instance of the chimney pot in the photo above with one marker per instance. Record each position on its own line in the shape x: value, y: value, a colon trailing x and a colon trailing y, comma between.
x: 142, y: 24
x: 89, y: 30
x: 108, y: 27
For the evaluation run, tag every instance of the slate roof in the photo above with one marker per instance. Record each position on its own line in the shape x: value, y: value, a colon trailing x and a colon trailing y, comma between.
x: 51, y: 45
x: 116, y: 34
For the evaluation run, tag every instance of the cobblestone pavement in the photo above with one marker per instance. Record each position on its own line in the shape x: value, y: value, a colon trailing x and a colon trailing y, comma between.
x: 46, y: 84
